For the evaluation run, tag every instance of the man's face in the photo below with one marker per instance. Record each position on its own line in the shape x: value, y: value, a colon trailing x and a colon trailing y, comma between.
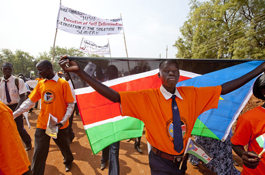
x: 7, y: 70
x: 169, y: 74
x: 66, y: 76
x: 43, y: 71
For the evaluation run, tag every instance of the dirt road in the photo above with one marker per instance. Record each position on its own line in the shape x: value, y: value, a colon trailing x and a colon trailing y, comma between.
x: 85, y: 163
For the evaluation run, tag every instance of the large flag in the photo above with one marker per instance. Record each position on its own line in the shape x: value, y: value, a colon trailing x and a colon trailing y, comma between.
x: 90, y: 47
x: 198, y: 151
x: 214, y: 122
x: 75, y: 22
x: 102, y: 119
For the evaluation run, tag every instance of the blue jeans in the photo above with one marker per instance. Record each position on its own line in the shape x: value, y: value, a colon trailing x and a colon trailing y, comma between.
x: 111, y: 153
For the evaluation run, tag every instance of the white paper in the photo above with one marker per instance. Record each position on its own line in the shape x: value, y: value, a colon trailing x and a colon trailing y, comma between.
x: 52, y: 129
x: 90, y: 68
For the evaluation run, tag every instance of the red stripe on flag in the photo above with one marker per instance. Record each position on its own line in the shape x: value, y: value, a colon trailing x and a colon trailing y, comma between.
x: 94, y: 107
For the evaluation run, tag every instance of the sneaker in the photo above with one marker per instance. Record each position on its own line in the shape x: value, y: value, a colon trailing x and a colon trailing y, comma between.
x: 68, y: 167
x: 28, y: 147
x: 138, y: 149
x: 103, y: 166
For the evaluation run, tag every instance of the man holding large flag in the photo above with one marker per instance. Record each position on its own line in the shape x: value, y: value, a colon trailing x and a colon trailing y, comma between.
x: 154, y: 106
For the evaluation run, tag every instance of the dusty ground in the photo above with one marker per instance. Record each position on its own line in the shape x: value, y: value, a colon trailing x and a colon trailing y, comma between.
x: 85, y: 163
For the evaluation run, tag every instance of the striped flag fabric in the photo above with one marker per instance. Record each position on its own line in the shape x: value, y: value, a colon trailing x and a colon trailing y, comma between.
x: 102, y: 118
x: 198, y: 151
x: 217, y: 123
x: 260, y: 139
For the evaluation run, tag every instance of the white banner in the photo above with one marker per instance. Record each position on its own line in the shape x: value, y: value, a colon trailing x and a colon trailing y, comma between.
x: 75, y: 22
x: 91, y: 48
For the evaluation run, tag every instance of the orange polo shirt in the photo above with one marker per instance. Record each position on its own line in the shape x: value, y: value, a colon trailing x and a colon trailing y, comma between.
x: 155, y: 111
x: 13, y: 157
x: 249, y: 126
x: 54, y: 97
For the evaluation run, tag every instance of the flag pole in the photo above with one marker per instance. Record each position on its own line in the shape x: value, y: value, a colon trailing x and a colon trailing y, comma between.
x: 180, y: 166
x: 125, y: 46
x: 53, y: 50
x: 260, y: 154
x: 166, y: 52
x: 81, y: 43
x: 109, y: 48
x: 124, y: 39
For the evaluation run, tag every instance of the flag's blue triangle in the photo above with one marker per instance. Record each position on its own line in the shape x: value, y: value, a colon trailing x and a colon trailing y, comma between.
x: 219, y: 120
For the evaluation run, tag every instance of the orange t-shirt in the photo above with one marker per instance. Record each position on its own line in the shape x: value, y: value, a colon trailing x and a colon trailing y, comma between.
x: 249, y: 126
x: 13, y: 157
x: 155, y: 111
x: 39, y: 79
x: 54, y: 98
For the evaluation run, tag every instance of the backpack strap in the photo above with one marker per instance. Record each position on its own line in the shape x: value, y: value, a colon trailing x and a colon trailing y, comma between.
x: 17, y: 83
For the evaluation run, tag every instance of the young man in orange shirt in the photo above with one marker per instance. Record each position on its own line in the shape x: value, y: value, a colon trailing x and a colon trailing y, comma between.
x: 13, y: 157
x: 154, y: 108
x: 250, y: 126
x: 57, y: 100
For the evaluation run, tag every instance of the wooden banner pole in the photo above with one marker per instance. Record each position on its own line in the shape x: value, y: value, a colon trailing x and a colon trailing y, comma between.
x: 109, y: 48
x: 53, y: 50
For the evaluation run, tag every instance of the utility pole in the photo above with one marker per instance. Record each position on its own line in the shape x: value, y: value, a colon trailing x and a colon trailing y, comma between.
x: 166, y: 52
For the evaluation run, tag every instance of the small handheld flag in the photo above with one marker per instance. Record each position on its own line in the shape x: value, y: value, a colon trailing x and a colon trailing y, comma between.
x: 198, y: 151
x: 260, y: 139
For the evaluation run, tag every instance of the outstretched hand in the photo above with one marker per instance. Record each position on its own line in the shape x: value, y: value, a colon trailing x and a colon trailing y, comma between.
x: 250, y: 159
x: 67, y: 65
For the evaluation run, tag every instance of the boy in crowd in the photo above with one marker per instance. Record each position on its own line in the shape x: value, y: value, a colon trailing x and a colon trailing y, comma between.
x: 250, y: 126
x: 57, y: 100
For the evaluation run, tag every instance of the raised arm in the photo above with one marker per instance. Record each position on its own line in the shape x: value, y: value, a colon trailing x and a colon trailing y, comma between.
x: 72, y: 66
x: 237, y: 83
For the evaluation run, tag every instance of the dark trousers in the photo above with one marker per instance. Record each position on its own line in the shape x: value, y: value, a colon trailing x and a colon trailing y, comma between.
x: 70, y: 131
x: 137, y: 141
x: 42, y: 144
x: 28, y: 172
x: 161, y: 166
x: 20, y: 127
x: 111, y: 153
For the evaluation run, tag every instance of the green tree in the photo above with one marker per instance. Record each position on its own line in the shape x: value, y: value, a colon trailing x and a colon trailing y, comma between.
x: 22, y: 61
x: 232, y: 29
x: 61, y: 51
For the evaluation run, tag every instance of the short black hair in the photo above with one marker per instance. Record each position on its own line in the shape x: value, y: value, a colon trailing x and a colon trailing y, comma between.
x: 169, y: 60
x: 7, y: 63
x: 47, y: 63
x: 259, y: 84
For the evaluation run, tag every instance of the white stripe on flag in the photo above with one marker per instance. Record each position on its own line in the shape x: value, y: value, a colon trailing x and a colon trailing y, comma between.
x: 131, y: 78
x: 114, y: 119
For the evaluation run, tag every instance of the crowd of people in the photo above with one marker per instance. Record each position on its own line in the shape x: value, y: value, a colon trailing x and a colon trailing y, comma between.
x: 155, y: 107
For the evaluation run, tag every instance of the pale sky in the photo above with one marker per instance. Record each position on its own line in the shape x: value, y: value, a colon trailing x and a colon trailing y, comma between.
x: 149, y: 25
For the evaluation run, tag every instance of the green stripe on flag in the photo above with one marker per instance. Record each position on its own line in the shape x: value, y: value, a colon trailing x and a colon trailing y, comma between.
x: 260, y: 141
x: 112, y: 132
x: 202, y: 130
x: 198, y: 156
